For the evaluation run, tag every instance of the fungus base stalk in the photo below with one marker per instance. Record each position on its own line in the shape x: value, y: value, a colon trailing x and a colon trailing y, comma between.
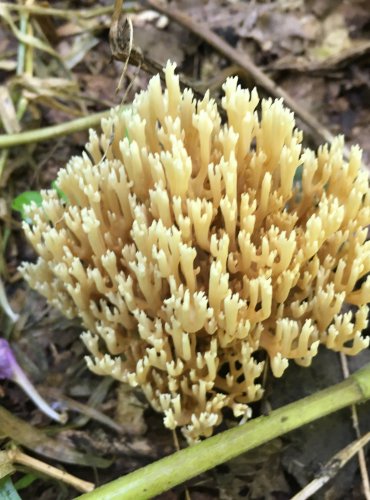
x: 190, y: 462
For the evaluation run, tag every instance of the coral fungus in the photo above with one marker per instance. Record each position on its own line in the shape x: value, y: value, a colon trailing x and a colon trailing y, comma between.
x: 187, y: 245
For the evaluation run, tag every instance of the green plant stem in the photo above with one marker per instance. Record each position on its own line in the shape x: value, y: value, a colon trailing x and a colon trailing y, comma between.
x: 43, y: 134
x: 190, y: 462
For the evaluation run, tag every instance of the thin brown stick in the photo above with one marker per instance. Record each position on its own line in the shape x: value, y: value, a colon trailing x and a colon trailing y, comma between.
x: 242, y: 60
x: 124, y: 50
x: 16, y: 456
x: 356, y: 426
x: 332, y: 468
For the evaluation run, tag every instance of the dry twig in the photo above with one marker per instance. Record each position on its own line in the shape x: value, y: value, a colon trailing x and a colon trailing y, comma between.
x: 356, y: 426
x: 16, y: 456
x: 332, y: 468
x: 123, y: 49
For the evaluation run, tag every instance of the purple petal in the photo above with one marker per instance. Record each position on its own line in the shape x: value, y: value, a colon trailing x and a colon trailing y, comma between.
x: 9, y: 368
x: 8, y: 362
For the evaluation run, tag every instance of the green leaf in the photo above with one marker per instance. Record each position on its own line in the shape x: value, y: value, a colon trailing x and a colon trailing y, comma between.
x: 7, y: 490
x: 22, y: 200
x: 298, y: 175
x: 25, y: 481
x: 60, y: 193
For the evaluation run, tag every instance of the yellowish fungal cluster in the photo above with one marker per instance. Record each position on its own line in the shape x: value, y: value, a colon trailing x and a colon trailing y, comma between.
x: 187, y: 246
